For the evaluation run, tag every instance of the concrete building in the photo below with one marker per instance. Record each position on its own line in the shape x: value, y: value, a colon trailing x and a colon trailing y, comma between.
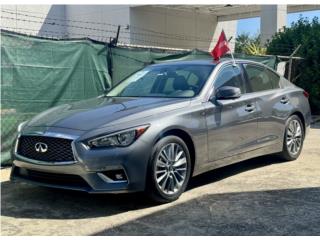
x: 174, y: 26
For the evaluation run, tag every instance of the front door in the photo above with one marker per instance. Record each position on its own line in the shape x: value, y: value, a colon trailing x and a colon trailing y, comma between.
x: 232, y: 123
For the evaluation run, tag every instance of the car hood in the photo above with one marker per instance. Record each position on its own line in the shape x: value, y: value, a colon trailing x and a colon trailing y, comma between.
x: 104, y: 111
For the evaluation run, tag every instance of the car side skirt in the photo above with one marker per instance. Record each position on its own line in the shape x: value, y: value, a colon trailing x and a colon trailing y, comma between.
x: 271, y: 149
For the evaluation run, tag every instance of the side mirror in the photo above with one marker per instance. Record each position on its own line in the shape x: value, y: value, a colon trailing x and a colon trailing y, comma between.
x: 228, y: 92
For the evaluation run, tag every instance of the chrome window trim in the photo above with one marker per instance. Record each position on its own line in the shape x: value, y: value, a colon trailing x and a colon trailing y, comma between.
x: 209, y: 86
x: 263, y: 92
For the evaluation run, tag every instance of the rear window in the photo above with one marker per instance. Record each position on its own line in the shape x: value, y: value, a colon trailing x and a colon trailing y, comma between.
x: 260, y: 78
x: 274, y: 78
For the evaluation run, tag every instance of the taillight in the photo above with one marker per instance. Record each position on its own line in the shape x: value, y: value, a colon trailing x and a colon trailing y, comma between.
x: 306, y: 94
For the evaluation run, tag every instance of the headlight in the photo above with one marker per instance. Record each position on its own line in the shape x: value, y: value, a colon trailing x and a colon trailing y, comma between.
x: 21, y: 125
x: 118, y: 139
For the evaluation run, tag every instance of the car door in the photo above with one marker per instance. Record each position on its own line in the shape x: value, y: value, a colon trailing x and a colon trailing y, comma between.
x: 272, y: 102
x: 231, y: 123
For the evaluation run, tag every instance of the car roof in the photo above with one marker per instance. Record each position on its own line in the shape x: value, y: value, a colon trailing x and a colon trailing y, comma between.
x: 204, y: 62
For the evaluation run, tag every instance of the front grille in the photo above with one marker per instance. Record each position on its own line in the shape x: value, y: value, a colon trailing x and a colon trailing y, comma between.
x: 52, y: 178
x: 58, y: 149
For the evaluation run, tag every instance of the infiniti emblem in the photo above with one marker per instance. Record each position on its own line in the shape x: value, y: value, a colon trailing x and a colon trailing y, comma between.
x: 41, y: 147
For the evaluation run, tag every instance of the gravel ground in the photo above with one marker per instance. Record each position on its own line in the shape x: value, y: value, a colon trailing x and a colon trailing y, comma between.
x: 261, y: 196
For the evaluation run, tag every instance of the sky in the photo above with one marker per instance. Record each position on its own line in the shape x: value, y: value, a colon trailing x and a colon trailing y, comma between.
x: 252, y: 25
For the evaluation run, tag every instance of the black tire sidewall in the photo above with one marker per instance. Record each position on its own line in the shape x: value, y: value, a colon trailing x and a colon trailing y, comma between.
x: 152, y: 186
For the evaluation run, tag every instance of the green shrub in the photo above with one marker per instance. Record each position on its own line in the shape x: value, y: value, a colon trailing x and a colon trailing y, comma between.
x: 306, y: 33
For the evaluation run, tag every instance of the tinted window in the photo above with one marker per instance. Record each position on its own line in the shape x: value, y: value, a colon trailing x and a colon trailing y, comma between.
x: 261, y: 78
x: 176, y: 80
x: 274, y: 78
x: 144, y: 85
x: 230, y: 76
x: 193, y: 80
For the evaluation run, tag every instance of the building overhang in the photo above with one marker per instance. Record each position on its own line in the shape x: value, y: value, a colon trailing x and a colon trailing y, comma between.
x: 229, y: 12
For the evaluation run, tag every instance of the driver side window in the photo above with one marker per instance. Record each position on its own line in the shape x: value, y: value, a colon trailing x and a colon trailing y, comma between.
x: 230, y: 76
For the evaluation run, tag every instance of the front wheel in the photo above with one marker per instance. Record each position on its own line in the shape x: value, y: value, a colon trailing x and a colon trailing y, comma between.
x: 169, y: 169
x: 293, y: 139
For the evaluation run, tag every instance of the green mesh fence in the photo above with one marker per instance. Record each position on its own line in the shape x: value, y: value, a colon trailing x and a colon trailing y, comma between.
x: 38, y: 73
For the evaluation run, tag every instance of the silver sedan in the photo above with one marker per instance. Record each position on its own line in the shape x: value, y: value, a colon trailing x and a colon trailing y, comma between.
x: 162, y: 125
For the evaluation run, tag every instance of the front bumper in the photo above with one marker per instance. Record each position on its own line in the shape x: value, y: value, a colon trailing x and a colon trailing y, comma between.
x: 91, y: 169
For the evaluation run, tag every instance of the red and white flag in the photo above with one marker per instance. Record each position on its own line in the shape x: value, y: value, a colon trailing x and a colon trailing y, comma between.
x: 221, y: 47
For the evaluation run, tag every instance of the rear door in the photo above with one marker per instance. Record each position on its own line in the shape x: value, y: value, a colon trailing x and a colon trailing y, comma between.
x: 232, y: 123
x: 272, y: 102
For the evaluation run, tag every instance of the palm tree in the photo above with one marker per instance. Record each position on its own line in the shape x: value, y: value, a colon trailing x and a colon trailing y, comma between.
x: 241, y: 42
x: 249, y: 45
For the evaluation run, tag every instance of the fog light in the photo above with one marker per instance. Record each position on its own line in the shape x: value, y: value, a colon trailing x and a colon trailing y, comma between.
x: 119, y: 176
x: 116, y: 175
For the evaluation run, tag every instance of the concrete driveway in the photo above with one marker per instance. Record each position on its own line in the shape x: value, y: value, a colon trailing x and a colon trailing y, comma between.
x: 261, y: 196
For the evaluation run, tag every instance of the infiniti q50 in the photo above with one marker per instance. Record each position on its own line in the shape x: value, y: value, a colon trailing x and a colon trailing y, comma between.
x: 161, y: 126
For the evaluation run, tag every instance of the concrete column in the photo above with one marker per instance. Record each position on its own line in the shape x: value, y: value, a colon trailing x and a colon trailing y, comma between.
x: 273, y: 18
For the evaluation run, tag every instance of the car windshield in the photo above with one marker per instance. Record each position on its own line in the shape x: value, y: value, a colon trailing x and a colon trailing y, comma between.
x: 172, y: 81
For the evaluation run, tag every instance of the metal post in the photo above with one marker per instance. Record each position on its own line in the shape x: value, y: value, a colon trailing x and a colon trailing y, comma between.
x: 290, y: 62
x: 114, y: 41
x: 117, y: 37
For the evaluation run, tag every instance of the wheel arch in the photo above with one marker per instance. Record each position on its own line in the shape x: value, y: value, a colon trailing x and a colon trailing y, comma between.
x: 300, y: 115
x: 185, y: 136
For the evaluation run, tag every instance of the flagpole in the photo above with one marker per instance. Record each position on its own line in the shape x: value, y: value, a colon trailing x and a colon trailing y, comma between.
x: 234, y: 61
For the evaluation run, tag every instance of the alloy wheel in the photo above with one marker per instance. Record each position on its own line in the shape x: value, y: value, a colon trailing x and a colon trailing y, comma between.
x: 171, y: 168
x: 294, y: 137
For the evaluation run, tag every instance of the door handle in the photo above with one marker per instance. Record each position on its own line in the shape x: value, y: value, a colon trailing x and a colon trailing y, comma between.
x: 249, y: 108
x: 284, y: 100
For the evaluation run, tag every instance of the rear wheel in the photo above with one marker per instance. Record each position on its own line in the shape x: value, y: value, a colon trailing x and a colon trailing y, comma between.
x: 293, y: 139
x: 169, y: 170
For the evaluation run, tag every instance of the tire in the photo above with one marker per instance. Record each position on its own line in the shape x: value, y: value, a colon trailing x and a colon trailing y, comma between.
x: 166, y: 180
x: 293, y: 123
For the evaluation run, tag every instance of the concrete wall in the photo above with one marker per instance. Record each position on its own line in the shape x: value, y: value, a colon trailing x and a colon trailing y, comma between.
x: 181, y: 29
x: 102, y: 21
x: 167, y: 27
x: 29, y: 19
x: 77, y: 21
